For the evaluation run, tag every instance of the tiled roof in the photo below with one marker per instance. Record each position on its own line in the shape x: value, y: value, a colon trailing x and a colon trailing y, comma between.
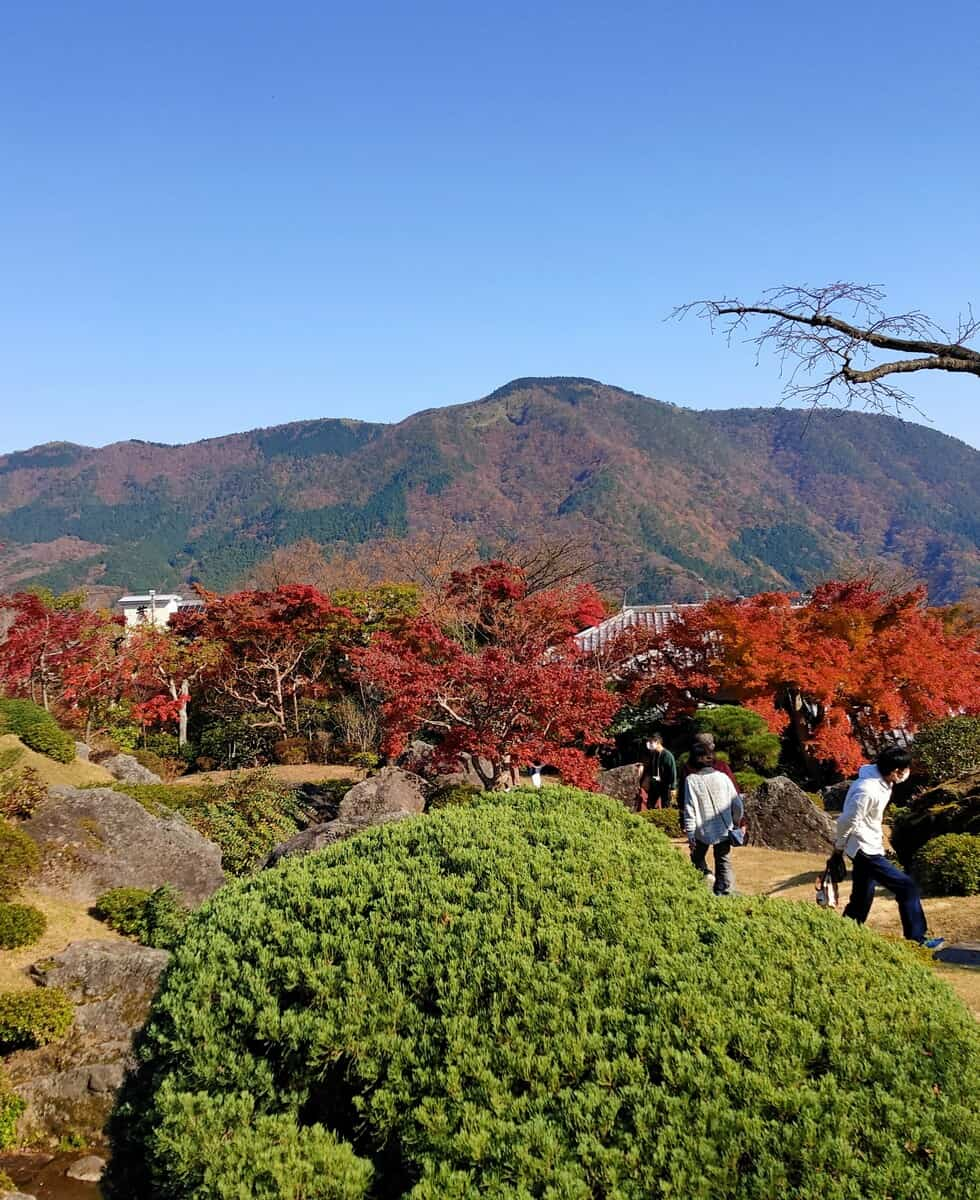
x: 657, y: 617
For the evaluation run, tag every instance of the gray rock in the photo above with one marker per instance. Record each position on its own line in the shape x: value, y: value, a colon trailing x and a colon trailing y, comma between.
x: 82, y: 752
x: 94, y: 839
x: 620, y: 782
x: 88, y: 1169
x: 782, y: 817
x: 391, y: 795
x: 963, y: 954
x: 16, y: 1196
x: 126, y: 769
x: 70, y: 1086
x: 834, y: 795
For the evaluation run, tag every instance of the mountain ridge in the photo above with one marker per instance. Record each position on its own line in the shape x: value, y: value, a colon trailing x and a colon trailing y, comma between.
x: 677, y: 499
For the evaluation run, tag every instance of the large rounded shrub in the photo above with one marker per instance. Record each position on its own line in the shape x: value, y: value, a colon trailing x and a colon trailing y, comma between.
x: 37, y: 728
x: 949, y: 747
x: 536, y: 997
x: 949, y: 865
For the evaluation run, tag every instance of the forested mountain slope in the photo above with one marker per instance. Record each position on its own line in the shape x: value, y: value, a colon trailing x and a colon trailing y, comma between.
x: 674, y: 499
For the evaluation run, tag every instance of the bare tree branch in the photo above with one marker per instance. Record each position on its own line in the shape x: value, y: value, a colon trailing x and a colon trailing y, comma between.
x: 812, y: 337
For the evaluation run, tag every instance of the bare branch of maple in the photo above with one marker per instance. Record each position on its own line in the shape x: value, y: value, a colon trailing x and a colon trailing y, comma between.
x: 827, y: 339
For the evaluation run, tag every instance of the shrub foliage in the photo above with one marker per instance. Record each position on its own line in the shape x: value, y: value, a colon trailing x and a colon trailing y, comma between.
x: 36, y: 728
x: 667, y: 820
x: 154, y: 918
x: 949, y: 865
x: 11, y: 1107
x: 950, y: 747
x: 19, y: 858
x: 33, y: 1018
x: 20, y: 925
x: 536, y: 997
x: 21, y: 788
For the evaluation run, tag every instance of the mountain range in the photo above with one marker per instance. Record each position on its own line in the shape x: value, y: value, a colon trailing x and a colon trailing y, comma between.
x: 675, y: 500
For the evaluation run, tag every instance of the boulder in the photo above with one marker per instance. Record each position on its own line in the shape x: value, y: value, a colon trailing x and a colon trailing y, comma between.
x: 391, y: 795
x: 782, y: 817
x: 834, y: 795
x: 70, y: 1086
x: 88, y: 1169
x: 126, y: 769
x: 621, y: 783
x: 951, y: 807
x: 94, y: 839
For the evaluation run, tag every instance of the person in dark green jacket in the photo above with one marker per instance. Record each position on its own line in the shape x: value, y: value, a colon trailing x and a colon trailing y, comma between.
x: 657, y: 774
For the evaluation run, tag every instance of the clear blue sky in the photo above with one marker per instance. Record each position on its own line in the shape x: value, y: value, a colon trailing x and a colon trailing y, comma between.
x: 220, y: 215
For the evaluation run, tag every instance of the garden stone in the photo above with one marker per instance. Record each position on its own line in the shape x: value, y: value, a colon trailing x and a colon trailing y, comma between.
x: 783, y: 817
x: 834, y: 796
x: 317, y: 837
x: 621, y: 783
x: 88, y: 1169
x: 70, y: 1085
x: 94, y: 839
x: 126, y: 769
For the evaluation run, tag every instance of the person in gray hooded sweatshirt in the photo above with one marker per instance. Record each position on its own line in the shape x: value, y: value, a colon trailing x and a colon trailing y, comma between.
x: 711, y: 808
x: 859, y: 835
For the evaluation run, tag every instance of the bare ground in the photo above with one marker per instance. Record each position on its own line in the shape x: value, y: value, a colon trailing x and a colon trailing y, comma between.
x: 302, y: 773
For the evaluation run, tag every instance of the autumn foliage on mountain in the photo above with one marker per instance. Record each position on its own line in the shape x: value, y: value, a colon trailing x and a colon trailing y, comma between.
x: 838, y: 674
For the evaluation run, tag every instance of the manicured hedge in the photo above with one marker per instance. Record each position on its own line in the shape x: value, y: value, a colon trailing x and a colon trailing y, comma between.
x: 36, y: 728
x: 536, y: 997
x: 948, y: 748
x: 949, y: 865
x: 20, y: 925
x: 19, y: 858
x: 667, y: 820
x: 33, y: 1018
x: 154, y: 918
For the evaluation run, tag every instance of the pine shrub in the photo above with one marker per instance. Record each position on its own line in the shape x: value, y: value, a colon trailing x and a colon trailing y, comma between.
x: 948, y: 748
x: 37, y: 729
x: 33, y: 1018
x: 667, y: 820
x: 19, y: 858
x: 743, y: 735
x: 20, y: 925
x: 535, y: 996
x: 748, y: 781
x: 949, y: 865
x: 154, y: 918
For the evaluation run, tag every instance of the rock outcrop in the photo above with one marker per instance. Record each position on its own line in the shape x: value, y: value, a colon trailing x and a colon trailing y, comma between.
x: 391, y: 795
x: 783, y: 817
x: 126, y: 769
x: 70, y: 1085
x: 94, y: 839
x: 621, y: 783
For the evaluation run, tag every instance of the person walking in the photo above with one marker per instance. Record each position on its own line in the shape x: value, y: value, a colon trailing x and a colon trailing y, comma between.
x: 711, y: 808
x: 860, y: 837
x: 657, y: 774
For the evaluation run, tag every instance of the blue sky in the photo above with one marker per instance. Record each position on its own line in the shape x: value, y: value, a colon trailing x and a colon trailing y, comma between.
x: 216, y: 216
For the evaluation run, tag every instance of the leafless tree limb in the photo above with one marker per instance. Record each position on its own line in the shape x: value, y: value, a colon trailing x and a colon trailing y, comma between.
x: 826, y: 339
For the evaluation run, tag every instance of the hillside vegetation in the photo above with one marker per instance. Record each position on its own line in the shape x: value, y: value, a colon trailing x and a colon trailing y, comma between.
x: 741, y: 500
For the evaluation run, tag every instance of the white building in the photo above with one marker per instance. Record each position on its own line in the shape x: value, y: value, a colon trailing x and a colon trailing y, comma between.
x: 153, y: 608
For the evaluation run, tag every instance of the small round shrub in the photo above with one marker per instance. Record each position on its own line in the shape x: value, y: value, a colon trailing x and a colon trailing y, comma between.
x: 748, y: 781
x: 667, y: 820
x: 454, y: 796
x: 949, y: 865
x: 20, y: 925
x: 33, y: 1018
x: 37, y: 729
x: 154, y: 918
x: 19, y: 858
x: 535, y: 996
x: 949, y: 748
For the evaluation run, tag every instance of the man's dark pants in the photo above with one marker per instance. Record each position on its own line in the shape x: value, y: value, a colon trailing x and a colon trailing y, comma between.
x: 870, y: 869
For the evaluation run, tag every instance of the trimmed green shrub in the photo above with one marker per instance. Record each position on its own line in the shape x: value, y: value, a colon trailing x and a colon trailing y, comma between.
x: 11, y: 1108
x: 952, y: 807
x: 743, y: 735
x: 33, y: 1018
x: 535, y: 996
x: 37, y: 729
x: 667, y: 820
x: 21, y: 788
x: 19, y: 858
x: 949, y: 748
x: 156, y: 918
x: 949, y: 865
x: 455, y: 795
x: 748, y: 781
x: 20, y: 925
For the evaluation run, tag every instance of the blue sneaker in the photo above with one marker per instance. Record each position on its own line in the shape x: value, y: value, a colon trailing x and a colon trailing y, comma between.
x: 936, y: 943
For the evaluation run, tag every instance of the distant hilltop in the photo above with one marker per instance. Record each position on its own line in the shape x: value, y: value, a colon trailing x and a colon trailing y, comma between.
x: 674, y: 501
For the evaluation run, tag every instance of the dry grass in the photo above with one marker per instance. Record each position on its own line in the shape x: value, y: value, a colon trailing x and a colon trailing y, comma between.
x: 67, y: 922
x: 301, y: 773
x: 792, y: 876
x: 56, y: 774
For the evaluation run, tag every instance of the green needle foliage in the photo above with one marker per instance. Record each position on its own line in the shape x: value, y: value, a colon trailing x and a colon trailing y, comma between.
x: 20, y: 925
x: 535, y: 996
x: 34, y: 1018
x: 36, y: 728
x: 949, y: 865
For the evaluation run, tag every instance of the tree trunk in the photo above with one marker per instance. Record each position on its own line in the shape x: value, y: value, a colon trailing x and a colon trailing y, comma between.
x: 185, y: 692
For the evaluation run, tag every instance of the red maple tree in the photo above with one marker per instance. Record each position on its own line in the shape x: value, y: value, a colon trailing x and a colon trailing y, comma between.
x: 501, y: 676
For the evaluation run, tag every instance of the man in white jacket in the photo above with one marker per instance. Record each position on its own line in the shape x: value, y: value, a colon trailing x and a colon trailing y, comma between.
x: 859, y: 835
